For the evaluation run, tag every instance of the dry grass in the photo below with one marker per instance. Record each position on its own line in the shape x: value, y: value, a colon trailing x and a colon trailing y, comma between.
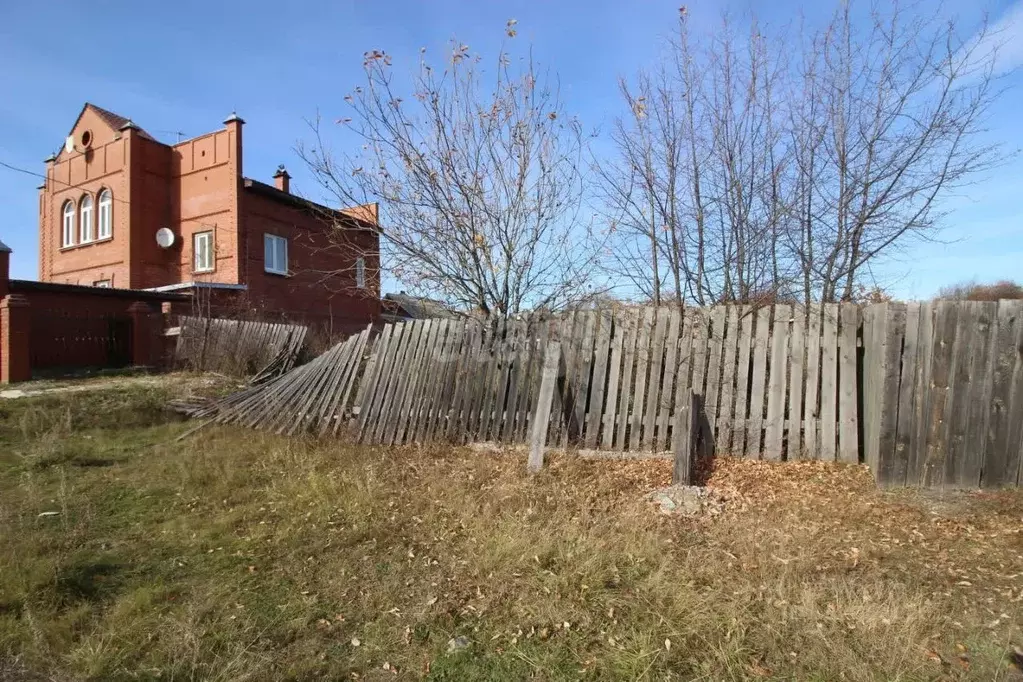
x: 243, y: 556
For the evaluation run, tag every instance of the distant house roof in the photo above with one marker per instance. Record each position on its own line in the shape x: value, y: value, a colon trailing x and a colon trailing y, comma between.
x: 401, y: 306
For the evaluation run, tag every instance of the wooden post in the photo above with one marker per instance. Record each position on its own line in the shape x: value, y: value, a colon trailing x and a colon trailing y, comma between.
x: 686, y: 432
x: 551, y: 369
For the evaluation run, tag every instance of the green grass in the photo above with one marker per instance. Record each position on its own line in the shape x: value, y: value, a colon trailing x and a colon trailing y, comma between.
x: 236, y: 555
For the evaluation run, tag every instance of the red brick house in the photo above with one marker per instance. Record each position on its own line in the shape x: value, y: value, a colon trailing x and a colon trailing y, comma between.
x: 121, y: 209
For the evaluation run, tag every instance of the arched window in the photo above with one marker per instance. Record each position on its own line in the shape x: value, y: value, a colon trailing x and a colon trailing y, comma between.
x: 86, y: 219
x: 67, y: 237
x: 106, y: 215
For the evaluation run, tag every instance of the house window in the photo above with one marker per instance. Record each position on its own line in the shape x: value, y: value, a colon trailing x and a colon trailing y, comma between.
x: 275, y: 254
x: 106, y: 215
x: 360, y: 272
x: 202, y: 251
x: 85, y: 217
x: 68, y: 233
x: 102, y: 284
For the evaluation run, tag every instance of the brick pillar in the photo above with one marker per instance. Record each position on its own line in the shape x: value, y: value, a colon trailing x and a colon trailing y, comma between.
x: 15, y: 328
x: 146, y: 335
x: 5, y: 270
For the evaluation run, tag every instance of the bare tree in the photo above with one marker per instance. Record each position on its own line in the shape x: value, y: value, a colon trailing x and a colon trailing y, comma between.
x: 479, y: 179
x: 755, y: 162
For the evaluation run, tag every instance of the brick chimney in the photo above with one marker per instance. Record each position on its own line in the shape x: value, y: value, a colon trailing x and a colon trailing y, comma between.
x: 282, y: 180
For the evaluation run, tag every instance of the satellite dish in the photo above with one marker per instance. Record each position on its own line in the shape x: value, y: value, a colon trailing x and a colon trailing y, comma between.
x: 69, y: 144
x: 164, y: 238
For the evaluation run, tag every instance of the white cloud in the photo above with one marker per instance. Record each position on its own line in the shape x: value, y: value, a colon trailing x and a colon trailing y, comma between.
x: 1004, y: 37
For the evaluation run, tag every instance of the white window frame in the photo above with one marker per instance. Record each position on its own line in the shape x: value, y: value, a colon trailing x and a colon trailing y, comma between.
x: 86, y: 233
x: 275, y: 254
x: 360, y: 272
x: 102, y: 284
x: 106, y: 215
x: 203, y: 257
x: 69, y: 224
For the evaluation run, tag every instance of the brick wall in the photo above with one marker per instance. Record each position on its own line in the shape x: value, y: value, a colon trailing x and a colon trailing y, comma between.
x: 48, y: 326
x: 320, y: 289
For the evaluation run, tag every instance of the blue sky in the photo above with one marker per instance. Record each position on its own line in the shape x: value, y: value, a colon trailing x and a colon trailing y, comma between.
x: 183, y: 67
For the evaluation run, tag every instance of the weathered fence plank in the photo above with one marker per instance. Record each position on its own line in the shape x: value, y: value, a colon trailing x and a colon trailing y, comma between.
x: 742, y: 377
x: 848, y: 384
x: 653, y: 404
x: 1006, y: 406
x: 945, y: 318
x: 811, y: 434
x: 642, y: 362
x: 797, y: 342
x: 670, y: 370
x: 829, y: 382
x: 552, y: 367
x: 614, y: 375
x: 979, y: 402
x: 755, y: 421
x: 716, y: 338
x: 625, y: 389
x: 596, y: 405
x: 726, y: 411
x: 775, y: 431
x: 684, y: 440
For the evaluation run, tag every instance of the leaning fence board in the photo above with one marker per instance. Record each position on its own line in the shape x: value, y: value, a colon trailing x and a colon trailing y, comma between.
x: 653, y: 392
x: 625, y: 388
x: 829, y: 383
x: 642, y: 363
x: 811, y: 435
x: 374, y: 396
x: 685, y: 434
x: 584, y: 368
x: 715, y: 339
x: 506, y: 426
x: 848, y: 382
x: 670, y: 370
x: 699, y: 361
x: 941, y: 373
x: 726, y: 411
x: 338, y: 407
x: 979, y: 401
x: 396, y: 394
x: 424, y: 398
x: 446, y: 411
x: 797, y: 341
x: 964, y: 347
x: 548, y: 387
x: 457, y: 424
x: 775, y: 432
x: 905, y: 433
x: 757, y: 387
x: 891, y: 326
x: 742, y: 374
x: 614, y: 376
x: 1000, y: 469
x: 596, y: 406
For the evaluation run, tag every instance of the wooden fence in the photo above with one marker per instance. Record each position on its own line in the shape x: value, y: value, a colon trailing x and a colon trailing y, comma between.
x: 777, y: 382
x: 237, y: 346
x: 927, y: 394
x: 943, y: 393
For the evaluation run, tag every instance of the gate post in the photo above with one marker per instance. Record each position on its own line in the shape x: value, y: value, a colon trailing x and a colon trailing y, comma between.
x: 146, y: 330
x: 15, y: 357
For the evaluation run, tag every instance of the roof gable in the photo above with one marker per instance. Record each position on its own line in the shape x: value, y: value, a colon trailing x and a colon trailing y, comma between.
x: 113, y: 122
